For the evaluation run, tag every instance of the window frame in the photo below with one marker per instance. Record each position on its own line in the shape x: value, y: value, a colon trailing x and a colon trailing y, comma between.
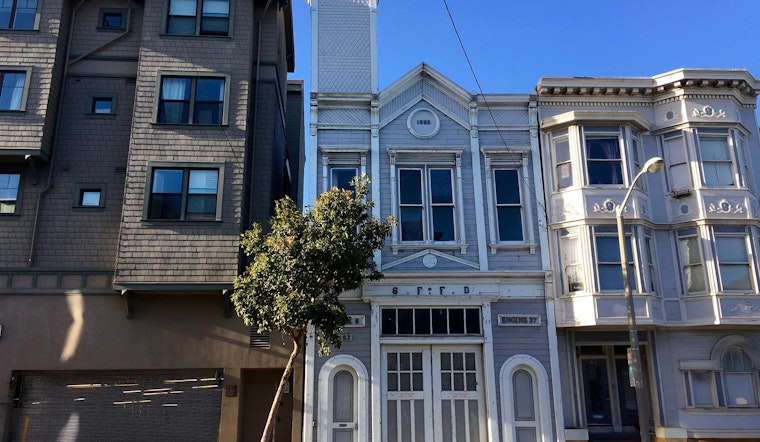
x: 17, y: 200
x: 593, y: 132
x: 103, y: 12
x: 566, y: 236
x: 723, y: 232
x: 565, y: 166
x: 702, y: 134
x: 193, y: 77
x: 12, y: 18
x: 89, y: 187
x: 92, y: 98
x: 516, y: 159
x: 27, y: 71
x: 185, y: 167
x: 198, y: 21
x: 681, y: 236
x: 630, y: 237
x: 342, y: 157
x: 425, y: 160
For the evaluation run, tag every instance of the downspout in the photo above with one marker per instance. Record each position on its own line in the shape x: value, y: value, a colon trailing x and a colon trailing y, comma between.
x: 49, y: 182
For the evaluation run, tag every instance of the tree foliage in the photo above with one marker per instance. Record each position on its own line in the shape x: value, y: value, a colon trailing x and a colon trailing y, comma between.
x: 306, y: 260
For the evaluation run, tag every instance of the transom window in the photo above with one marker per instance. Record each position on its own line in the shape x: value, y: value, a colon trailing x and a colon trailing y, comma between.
x: 508, y: 205
x: 9, y: 186
x: 198, y: 17
x: 12, y: 84
x: 715, y: 154
x: 184, y: 194
x: 18, y: 14
x: 603, y: 159
x: 426, y: 204
x: 191, y: 100
x: 430, y: 321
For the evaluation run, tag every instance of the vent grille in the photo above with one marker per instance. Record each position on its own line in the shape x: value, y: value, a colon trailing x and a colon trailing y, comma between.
x: 258, y: 340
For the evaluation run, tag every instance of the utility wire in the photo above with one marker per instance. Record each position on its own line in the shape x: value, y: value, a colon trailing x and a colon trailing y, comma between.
x: 488, y: 109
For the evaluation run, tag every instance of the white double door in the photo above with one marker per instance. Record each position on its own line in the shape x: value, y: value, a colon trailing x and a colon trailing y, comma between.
x: 433, y: 393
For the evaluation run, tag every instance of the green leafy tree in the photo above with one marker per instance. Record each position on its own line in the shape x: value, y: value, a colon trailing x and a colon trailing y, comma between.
x: 300, y: 267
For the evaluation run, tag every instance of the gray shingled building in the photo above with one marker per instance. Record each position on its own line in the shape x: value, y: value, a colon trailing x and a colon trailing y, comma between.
x: 137, y: 140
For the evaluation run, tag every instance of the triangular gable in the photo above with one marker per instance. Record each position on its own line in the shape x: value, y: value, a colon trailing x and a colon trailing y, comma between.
x: 424, y: 83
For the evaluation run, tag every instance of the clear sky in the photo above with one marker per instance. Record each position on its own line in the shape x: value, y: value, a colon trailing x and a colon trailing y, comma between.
x: 513, y: 43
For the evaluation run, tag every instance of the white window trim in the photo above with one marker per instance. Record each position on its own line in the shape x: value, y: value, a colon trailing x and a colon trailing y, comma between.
x: 541, y: 380
x: 443, y: 157
x: 342, y: 157
x: 625, y: 155
x: 745, y: 235
x: 516, y: 159
x: 700, y: 133
x: 361, y: 385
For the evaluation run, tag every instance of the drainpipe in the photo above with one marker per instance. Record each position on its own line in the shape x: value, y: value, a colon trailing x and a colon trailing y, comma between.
x: 49, y: 182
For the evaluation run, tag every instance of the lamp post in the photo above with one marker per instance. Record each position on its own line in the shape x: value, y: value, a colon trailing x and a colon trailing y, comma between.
x: 653, y: 165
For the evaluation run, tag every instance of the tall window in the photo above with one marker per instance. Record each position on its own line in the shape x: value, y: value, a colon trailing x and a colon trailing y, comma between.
x: 649, y: 256
x: 18, y: 14
x: 741, y: 378
x: 12, y: 85
x: 690, y: 257
x: 426, y: 204
x: 679, y: 172
x: 715, y: 154
x: 9, y: 185
x: 562, y: 164
x: 608, y: 259
x: 198, y: 17
x: 184, y: 194
x: 733, y: 258
x: 191, y: 100
x: 508, y: 204
x: 571, y: 259
x: 603, y: 159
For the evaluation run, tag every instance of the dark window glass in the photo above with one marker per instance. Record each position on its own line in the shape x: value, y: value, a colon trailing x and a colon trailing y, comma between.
x: 9, y: 186
x: 410, y: 196
x: 603, y: 161
x: 508, y: 205
x: 440, y: 321
x: 456, y: 321
x: 341, y: 178
x: 405, y: 321
x: 112, y: 20
x: 206, y: 103
x: 389, y: 321
x: 209, y: 100
x: 183, y: 17
x: 422, y: 321
x: 184, y: 194
x: 215, y: 17
x: 473, y: 321
x: 102, y: 105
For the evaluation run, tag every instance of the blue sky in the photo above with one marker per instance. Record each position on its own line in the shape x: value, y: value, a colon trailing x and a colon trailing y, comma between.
x: 512, y: 44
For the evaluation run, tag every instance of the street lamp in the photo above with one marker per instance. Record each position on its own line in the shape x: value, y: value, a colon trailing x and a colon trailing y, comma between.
x: 653, y: 165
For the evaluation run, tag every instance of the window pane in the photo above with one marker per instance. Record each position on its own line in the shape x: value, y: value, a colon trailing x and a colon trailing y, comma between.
x: 389, y: 323
x: 735, y: 359
x: 164, y: 206
x: 411, y: 223
x: 608, y: 249
x: 718, y: 174
x: 209, y: 89
x: 12, y: 91
x: 443, y: 224
x: 524, y: 407
x: 101, y: 105
x: 440, y: 187
x: 510, y: 223
x: 343, y: 397
x: 207, y: 113
x: 341, y: 178
x: 740, y: 389
x: 175, y: 88
x: 507, y: 187
x: 610, y: 277
x: 201, y: 206
x: 689, y: 251
x: 603, y: 148
x: 112, y: 20
x: 215, y: 18
x: 422, y: 321
x: 473, y: 321
x: 456, y: 321
x: 410, y: 191
x: 714, y: 149
x: 694, y: 278
x: 180, y: 25
x: 167, y: 180
x: 702, y: 389
x: 440, y: 321
x: 182, y: 7
x: 604, y: 166
x: 9, y: 183
x: 90, y: 198
x: 735, y: 277
x: 203, y: 181
x: 176, y: 112
x: 405, y: 324
x: 25, y: 14
x: 216, y: 8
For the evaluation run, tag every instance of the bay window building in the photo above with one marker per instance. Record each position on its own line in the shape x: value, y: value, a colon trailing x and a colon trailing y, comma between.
x: 691, y: 240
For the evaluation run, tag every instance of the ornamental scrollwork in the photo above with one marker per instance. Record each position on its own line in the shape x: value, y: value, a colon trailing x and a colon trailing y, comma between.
x: 608, y: 206
x: 708, y: 111
x: 725, y: 206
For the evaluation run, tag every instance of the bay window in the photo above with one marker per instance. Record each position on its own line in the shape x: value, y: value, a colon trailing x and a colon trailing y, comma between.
x: 603, y: 155
x: 690, y: 258
x: 609, y: 270
x: 716, y: 158
x: 732, y: 253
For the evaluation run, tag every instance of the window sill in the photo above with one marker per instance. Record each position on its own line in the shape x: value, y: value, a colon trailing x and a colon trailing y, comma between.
x: 12, y: 111
x: 94, y: 115
x: 89, y: 208
x: 732, y: 411
x: 430, y: 245
x: 181, y: 221
x: 102, y: 29
x: 195, y: 36
x: 19, y: 30
x: 222, y: 126
x: 506, y: 246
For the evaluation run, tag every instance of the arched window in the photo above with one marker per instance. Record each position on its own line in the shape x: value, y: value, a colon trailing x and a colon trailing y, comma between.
x: 342, y: 390
x: 740, y: 383
x: 525, y: 404
x: 343, y: 409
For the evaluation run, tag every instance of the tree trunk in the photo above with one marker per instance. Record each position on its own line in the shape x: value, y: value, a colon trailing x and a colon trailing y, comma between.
x: 297, y: 343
